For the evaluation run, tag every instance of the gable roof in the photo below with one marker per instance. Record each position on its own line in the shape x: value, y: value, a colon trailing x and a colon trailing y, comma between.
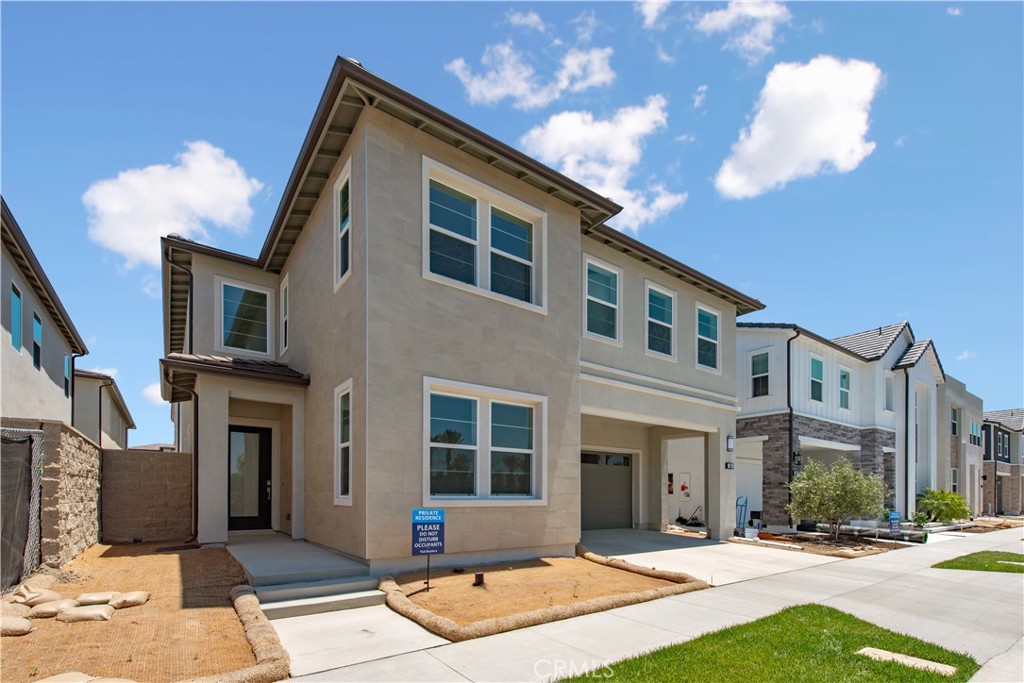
x: 803, y: 332
x: 16, y: 243
x: 1011, y: 419
x: 915, y: 352
x: 116, y: 392
x: 874, y: 343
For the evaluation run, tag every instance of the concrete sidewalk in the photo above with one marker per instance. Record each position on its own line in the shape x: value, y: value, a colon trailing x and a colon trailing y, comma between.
x: 980, y: 613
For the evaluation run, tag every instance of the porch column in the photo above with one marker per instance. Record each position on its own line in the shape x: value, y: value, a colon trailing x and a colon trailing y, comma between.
x: 721, y: 487
x: 298, y: 470
x: 213, y: 465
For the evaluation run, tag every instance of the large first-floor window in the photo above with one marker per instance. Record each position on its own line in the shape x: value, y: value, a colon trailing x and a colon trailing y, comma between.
x: 483, y: 443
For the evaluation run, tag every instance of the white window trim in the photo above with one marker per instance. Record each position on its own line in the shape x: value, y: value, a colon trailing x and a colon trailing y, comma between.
x: 344, y: 177
x: 218, y: 313
x: 849, y: 392
x: 486, y: 197
x: 886, y: 378
x: 284, y: 306
x: 617, y: 341
x: 954, y: 480
x: 339, y: 391
x: 21, y: 318
x: 648, y: 286
x: 697, y: 337
x: 750, y: 371
x: 811, y: 380
x: 485, y: 395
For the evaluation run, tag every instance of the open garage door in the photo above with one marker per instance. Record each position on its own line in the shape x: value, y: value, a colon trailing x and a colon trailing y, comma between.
x: 606, y: 488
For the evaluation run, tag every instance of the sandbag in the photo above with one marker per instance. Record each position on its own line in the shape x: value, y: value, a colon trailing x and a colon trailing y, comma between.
x: 47, y: 610
x: 68, y: 677
x: 14, y: 609
x: 96, y: 598
x: 130, y: 599
x: 26, y: 595
x: 15, y: 626
x: 86, y: 613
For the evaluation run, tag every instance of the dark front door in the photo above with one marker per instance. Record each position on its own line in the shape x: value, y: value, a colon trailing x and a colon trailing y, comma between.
x: 248, y: 477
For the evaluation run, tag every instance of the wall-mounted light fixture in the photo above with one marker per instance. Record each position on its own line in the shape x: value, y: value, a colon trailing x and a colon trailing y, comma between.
x: 730, y: 443
x: 797, y: 460
x: 729, y: 465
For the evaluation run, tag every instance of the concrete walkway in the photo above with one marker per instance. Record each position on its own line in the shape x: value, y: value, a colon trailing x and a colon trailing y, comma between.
x: 274, y: 558
x: 980, y: 613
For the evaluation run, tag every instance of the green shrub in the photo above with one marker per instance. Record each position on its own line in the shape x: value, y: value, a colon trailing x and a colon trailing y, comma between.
x: 943, y: 506
x: 836, y: 494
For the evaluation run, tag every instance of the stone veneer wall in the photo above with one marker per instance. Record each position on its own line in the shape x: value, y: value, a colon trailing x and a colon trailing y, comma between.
x: 1012, y: 492
x: 69, y: 492
x: 1011, y: 498
x: 147, y: 496
x: 870, y: 458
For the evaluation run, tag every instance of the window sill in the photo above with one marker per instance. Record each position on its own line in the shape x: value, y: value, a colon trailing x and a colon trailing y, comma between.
x: 710, y: 371
x: 604, y: 340
x: 344, y: 278
x: 243, y: 353
x: 480, y: 291
x: 660, y: 356
x: 343, y: 501
x: 467, y: 502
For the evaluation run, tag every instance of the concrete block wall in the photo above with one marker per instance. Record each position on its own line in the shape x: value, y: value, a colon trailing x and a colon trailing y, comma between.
x: 147, y: 496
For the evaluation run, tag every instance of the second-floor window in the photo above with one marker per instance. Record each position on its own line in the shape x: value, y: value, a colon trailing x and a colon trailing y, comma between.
x: 37, y: 341
x: 660, y: 320
x: 817, y: 379
x: 759, y: 374
x: 245, y: 321
x: 999, y: 444
x: 890, y: 391
x: 67, y: 375
x: 342, y: 228
x: 602, y: 314
x: 707, y: 338
x: 284, y: 314
x: 954, y: 422
x: 975, y: 434
x: 844, y: 388
x: 15, y: 318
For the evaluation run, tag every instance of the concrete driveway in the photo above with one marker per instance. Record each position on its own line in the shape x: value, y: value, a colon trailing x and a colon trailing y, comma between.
x: 717, y: 562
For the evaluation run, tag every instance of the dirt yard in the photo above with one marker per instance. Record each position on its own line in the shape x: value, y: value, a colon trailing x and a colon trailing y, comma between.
x: 516, y: 587
x: 186, y: 630
x: 820, y: 544
x: 986, y: 524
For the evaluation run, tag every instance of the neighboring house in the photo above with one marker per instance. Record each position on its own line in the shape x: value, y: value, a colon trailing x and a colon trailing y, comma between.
x: 1003, y: 485
x: 100, y: 410
x: 437, y: 320
x: 40, y: 342
x: 960, y: 442
x: 869, y: 396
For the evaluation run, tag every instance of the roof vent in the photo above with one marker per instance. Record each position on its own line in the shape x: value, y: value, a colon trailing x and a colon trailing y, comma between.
x: 355, y: 61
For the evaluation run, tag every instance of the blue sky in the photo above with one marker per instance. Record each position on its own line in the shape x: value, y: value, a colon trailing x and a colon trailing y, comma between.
x: 849, y: 164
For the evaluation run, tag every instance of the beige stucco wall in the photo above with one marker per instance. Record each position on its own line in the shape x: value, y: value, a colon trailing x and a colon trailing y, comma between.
x: 418, y: 328
x: 146, y: 496
x: 949, y: 394
x: 28, y: 392
x: 87, y: 401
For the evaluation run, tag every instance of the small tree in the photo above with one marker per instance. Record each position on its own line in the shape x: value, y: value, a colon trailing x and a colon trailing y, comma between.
x: 836, y: 494
x: 943, y: 506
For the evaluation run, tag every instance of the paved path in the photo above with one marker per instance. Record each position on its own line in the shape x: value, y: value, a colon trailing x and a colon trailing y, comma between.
x: 980, y: 613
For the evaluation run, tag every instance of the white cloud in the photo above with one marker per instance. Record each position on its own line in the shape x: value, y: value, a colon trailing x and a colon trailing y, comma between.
x: 810, y: 118
x: 651, y: 10
x: 966, y: 355
x: 508, y: 75
x: 699, y: 95
x: 151, y: 286
x: 954, y: 11
x: 111, y: 372
x: 152, y: 394
x: 603, y: 154
x: 663, y: 55
x: 750, y: 25
x: 901, y: 141
x: 530, y: 20
x: 128, y: 214
x: 586, y: 24
x: 686, y: 137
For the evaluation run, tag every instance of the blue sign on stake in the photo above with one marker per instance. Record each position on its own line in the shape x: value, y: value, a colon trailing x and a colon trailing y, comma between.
x: 894, y: 523
x: 427, y: 531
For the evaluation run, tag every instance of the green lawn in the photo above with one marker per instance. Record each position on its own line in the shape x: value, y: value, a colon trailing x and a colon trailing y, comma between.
x: 985, y: 561
x: 804, y: 643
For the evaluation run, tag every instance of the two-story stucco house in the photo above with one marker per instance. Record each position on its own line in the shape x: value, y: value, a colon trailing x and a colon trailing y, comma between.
x: 40, y: 342
x: 869, y: 396
x: 101, y: 412
x: 1003, y: 485
x: 960, y: 442
x: 437, y: 320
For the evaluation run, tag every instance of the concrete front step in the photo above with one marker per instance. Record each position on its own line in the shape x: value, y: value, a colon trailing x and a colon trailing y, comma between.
x: 314, y: 589
x: 327, y: 603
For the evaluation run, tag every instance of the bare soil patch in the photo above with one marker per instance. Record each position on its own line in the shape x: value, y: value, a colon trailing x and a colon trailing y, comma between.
x: 984, y: 526
x: 188, y: 628
x: 820, y: 544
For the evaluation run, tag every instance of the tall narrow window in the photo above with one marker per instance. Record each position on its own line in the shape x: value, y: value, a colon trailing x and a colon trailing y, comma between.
x: 707, y: 338
x: 37, y: 341
x: 954, y: 422
x: 759, y: 374
x: 890, y: 390
x: 343, y: 443
x: 844, y: 388
x: 954, y: 480
x: 15, y: 318
x: 511, y: 256
x: 67, y: 375
x: 660, y: 321
x: 511, y: 449
x: 817, y: 379
x: 284, y: 314
x: 245, y: 322
x: 602, y: 301
x: 343, y: 223
x: 453, y: 233
x: 453, y: 445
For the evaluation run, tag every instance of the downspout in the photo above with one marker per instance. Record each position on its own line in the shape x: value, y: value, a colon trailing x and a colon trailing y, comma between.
x: 195, y: 454
x: 906, y: 440
x: 74, y: 357
x: 789, y: 404
x: 99, y: 439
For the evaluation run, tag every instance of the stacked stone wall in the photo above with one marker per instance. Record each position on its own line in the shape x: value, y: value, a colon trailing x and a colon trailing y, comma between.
x: 147, y: 496
x: 775, y: 464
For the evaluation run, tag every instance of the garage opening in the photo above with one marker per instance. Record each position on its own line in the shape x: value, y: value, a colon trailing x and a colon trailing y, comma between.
x: 606, y: 490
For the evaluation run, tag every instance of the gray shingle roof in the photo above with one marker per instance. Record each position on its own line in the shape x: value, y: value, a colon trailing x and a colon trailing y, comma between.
x: 266, y: 369
x: 915, y: 352
x: 1012, y: 419
x: 872, y: 344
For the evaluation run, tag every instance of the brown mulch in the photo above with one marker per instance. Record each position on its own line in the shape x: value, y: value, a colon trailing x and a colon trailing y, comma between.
x: 188, y: 628
x: 846, y: 546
